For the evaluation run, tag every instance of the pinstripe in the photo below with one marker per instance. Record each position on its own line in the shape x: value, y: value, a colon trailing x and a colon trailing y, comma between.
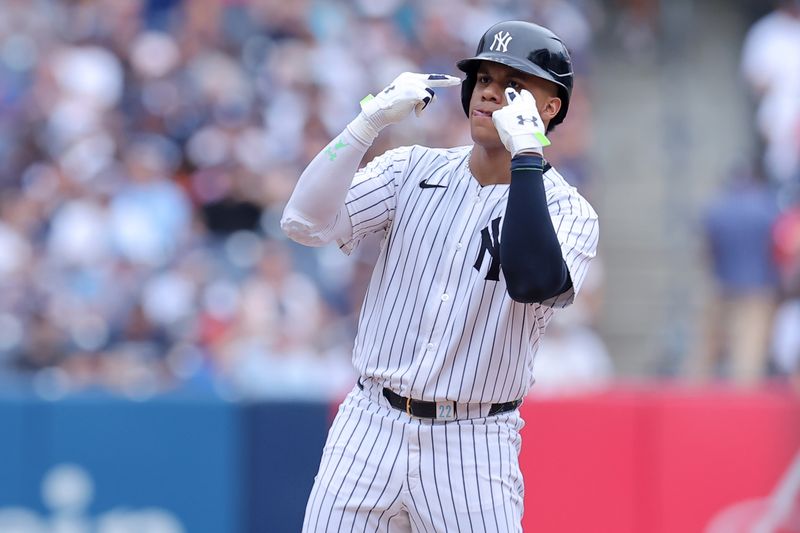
x: 463, y: 476
x: 363, y: 466
x: 492, y: 353
x: 421, y: 482
x: 391, y: 283
x: 477, y: 477
x: 488, y: 464
x: 378, y: 167
x: 418, y: 299
x: 476, y: 353
x: 367, y: 208
x: 466, y: 275
x: 370, y: 192
x: 369, y: 303
x: 421, y: 343
x: 451, y: 326
x: 389, y: 287
x: 561, y: 220
x: 359, y: 427
x: 583, y: 226
x: 395, y: 260
x: 472, y: 506
x: 438, y: 311
x: 374, y: 222
x: 460, y: 340
x: 415, y: 514
x: 388, y: 522
x: 503, y: 497
x: 402, y: 312
x: 365, y: 227
x: 380, y: 461
x: 383, y: 490
x: 515, y: 381
x: 347, y: 445
x: 394, y: 500
x: 435, y: 478
x: 583, y: 261
x: 464, y: 327
x: 369, y: 178
x: 416, y: 527
x: 404, y: 272
x: 369, y: 229
x: 507, y: 341
x: 449, y: 475
x: 324, y: 469
x: 480, y: 352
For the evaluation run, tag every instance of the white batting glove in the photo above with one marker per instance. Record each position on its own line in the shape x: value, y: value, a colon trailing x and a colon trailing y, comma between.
x: 520, y: 127
x: 408, y: 91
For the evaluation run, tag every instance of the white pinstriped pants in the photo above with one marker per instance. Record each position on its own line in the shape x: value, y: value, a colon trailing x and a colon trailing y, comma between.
x: 383, y: 470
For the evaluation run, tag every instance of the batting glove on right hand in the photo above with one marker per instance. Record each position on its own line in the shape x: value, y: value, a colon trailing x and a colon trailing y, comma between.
x: 408, y: 91
x: 520, y: 127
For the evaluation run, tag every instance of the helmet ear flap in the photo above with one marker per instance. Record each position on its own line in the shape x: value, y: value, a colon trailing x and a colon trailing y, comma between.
x: 467, y: 86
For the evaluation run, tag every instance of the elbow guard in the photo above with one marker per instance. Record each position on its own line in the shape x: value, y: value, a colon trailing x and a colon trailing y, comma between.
x: 302, y: 231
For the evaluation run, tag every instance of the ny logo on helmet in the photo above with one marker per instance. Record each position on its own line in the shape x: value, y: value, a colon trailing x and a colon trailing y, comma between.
x: 501, y: 40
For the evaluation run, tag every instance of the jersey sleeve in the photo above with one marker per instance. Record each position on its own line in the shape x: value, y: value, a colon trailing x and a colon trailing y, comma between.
x: 371, y: 200
x: 575, y: 222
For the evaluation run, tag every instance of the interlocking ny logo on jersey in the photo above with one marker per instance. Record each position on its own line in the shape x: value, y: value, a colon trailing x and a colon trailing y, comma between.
x: 501, y: 40
x: 490, y: 244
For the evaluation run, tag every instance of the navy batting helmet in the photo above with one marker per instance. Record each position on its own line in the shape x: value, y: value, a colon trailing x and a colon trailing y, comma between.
x: 526, y: 47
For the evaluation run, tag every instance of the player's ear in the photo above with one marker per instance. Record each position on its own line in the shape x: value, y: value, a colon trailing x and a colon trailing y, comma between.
x: 550, y: 108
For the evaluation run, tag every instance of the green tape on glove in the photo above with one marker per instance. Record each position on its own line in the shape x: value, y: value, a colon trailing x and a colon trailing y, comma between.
x: 542, y: 138
x: 366, y: 99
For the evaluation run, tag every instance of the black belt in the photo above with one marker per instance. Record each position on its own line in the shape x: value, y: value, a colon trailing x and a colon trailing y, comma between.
x: 423, y: 409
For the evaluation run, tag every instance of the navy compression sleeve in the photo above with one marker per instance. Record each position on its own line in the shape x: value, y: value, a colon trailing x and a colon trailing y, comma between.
x: 530, y: 253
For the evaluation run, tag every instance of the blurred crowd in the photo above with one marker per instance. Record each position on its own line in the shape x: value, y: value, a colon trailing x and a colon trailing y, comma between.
x: 147, y: 148
x: 752, y: 226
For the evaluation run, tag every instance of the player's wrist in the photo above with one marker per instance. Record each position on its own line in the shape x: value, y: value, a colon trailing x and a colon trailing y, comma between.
x: 528, y: 143
x: 527, y: 161
x: 528, y: 152
x: 364, y: 129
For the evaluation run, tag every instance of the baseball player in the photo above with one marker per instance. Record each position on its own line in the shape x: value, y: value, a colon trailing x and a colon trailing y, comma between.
x: 480, y: 245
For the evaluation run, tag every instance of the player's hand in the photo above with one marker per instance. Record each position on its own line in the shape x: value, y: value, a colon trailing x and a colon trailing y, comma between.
x: 520, y: 127
x: 408, y: 91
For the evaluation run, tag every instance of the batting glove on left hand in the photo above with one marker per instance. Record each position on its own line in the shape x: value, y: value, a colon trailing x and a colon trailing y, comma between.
x: 408, y: 91
x: 520, y: 127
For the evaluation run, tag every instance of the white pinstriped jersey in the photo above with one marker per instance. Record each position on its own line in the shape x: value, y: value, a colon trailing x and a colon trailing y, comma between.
x: 437, y: 322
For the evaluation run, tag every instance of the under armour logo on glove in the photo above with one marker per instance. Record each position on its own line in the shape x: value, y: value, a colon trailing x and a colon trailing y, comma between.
x: 519, y: 124
x: 390, y: 88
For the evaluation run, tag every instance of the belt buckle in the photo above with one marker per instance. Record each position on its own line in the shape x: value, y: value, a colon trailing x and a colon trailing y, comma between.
x: 408, y: 406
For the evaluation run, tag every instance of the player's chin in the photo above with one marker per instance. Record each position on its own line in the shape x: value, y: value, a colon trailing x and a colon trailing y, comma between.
x: 483, y: 132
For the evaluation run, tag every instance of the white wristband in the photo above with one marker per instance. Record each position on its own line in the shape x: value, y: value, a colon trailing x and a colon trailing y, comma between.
x: 363, y: 130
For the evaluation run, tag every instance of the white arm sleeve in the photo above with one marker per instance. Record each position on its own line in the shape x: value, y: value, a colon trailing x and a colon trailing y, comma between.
x: 315, y: 214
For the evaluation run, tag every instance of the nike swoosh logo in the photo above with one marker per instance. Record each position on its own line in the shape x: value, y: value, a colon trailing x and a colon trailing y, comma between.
x: 425, y: 185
